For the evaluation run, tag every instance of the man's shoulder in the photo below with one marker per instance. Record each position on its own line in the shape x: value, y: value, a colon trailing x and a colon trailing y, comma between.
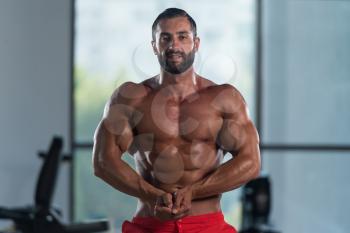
x: 129, y: 91
x: 227, y: 97
x: 224, y: 86
x: 225, y: 90
x: 206, y: 83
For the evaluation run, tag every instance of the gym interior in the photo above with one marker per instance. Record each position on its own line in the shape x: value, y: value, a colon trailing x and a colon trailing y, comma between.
x: 61, y: 60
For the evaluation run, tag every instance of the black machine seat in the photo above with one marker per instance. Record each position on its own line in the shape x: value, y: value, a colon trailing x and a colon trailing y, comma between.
x: 256, y: 206
x: 42, y: 218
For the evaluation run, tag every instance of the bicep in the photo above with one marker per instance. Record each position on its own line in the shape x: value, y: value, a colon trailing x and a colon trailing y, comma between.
x: 238, y: 131
x: 115, y: 131
x: 103, y: 144
x: 113, y: 135
x: 234, y: 135
x: 116, y: 124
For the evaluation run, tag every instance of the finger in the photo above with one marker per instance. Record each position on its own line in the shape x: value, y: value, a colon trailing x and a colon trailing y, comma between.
x: 185, y: 206
x: 163, y: 213
x: 187, y: 202
x: 167, y: 200
x: 162, y: 209
x: 181, y: 215
x: 178, y: 201
x: 182, y: 209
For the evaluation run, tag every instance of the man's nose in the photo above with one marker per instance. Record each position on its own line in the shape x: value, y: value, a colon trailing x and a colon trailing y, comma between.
x: 174, y: 43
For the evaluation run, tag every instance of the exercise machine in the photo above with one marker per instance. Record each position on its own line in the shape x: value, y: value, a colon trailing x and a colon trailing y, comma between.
x: 256, y: 201
x: 42, y: 217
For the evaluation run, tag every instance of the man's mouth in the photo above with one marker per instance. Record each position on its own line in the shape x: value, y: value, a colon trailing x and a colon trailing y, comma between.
x: 174, y: 56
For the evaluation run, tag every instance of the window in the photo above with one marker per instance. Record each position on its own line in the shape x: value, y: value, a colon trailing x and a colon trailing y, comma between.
x: 112, y: 45
x: 305, y: 118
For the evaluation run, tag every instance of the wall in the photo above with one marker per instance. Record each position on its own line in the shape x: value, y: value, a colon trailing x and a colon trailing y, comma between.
x: 306, y: 70
x: 34, y: 94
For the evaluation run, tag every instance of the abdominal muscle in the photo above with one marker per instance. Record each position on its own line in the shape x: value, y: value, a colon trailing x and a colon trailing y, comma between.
x: 172, y: 171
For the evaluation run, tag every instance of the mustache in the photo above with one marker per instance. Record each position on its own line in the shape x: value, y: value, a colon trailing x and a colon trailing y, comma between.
x: 172, y: 52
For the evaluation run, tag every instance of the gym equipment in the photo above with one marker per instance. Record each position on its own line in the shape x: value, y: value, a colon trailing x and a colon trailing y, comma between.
x: 256, y: 206
x: 41, y: 217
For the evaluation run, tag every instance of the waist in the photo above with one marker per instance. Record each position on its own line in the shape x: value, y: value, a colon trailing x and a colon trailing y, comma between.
x: 198, y: 207
x: 208, y: 218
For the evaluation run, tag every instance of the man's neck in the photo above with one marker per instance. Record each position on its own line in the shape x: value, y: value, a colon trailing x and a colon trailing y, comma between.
x: 180, y: 84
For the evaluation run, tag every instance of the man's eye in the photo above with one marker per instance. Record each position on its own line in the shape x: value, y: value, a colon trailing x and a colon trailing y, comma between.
x: 182, y: 37
x: 165, y: 38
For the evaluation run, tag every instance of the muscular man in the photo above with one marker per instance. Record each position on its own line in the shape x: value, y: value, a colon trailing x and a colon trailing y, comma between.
x: 178, y: 126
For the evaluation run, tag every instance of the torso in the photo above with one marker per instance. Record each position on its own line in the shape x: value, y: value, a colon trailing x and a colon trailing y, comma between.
x: 175, y: 141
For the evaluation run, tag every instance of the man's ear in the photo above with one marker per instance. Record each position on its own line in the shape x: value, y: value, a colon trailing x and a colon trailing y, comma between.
x: 154, y: 47
x: 197, y: 42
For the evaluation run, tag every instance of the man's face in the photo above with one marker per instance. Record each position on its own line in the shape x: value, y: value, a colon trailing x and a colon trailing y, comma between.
x: 175, y: 45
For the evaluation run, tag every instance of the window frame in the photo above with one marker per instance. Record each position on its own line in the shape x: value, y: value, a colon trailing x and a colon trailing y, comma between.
x: 74, y: 145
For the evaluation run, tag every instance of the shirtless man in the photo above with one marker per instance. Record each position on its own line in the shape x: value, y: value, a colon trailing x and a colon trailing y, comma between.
x: 178, y: 126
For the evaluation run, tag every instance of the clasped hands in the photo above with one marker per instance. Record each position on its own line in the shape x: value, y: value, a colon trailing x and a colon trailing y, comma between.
x: 170, y: 206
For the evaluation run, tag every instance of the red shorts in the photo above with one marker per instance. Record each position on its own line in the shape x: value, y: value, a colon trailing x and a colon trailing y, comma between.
x: 206, y: 223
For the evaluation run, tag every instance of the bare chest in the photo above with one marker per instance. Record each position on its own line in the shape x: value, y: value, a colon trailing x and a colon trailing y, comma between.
x: 177, y: 138
x: 166, y: 118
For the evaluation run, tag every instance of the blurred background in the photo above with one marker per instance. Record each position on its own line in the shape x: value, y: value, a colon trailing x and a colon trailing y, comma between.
x: 61, y: 60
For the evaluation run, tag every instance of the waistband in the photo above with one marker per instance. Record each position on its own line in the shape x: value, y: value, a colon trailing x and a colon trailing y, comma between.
x: 200, y: 219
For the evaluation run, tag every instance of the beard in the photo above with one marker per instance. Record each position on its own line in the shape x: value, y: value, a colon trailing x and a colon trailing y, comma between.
x: 176, y: 68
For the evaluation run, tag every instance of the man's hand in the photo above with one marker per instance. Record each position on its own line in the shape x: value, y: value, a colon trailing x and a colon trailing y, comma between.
x: 174, y: 206
x: 163, y: 206
x: 182, y: 201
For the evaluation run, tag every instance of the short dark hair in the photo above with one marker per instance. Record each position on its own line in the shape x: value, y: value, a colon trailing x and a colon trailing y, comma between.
x: 172, y: 13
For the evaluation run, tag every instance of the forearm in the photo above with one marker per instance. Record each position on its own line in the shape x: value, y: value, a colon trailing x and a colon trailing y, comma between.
x: 122, y: 177
x: 228, y: 176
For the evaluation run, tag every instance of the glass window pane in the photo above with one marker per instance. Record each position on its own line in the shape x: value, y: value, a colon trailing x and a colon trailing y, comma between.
x: 306, y: 72
x: 109, y: 51
x: 231, y: 206
x: 310, y: 190
x: 93, y: 198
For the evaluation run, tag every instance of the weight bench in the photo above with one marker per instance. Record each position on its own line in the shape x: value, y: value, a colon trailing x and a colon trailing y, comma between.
x: 42, y: 218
